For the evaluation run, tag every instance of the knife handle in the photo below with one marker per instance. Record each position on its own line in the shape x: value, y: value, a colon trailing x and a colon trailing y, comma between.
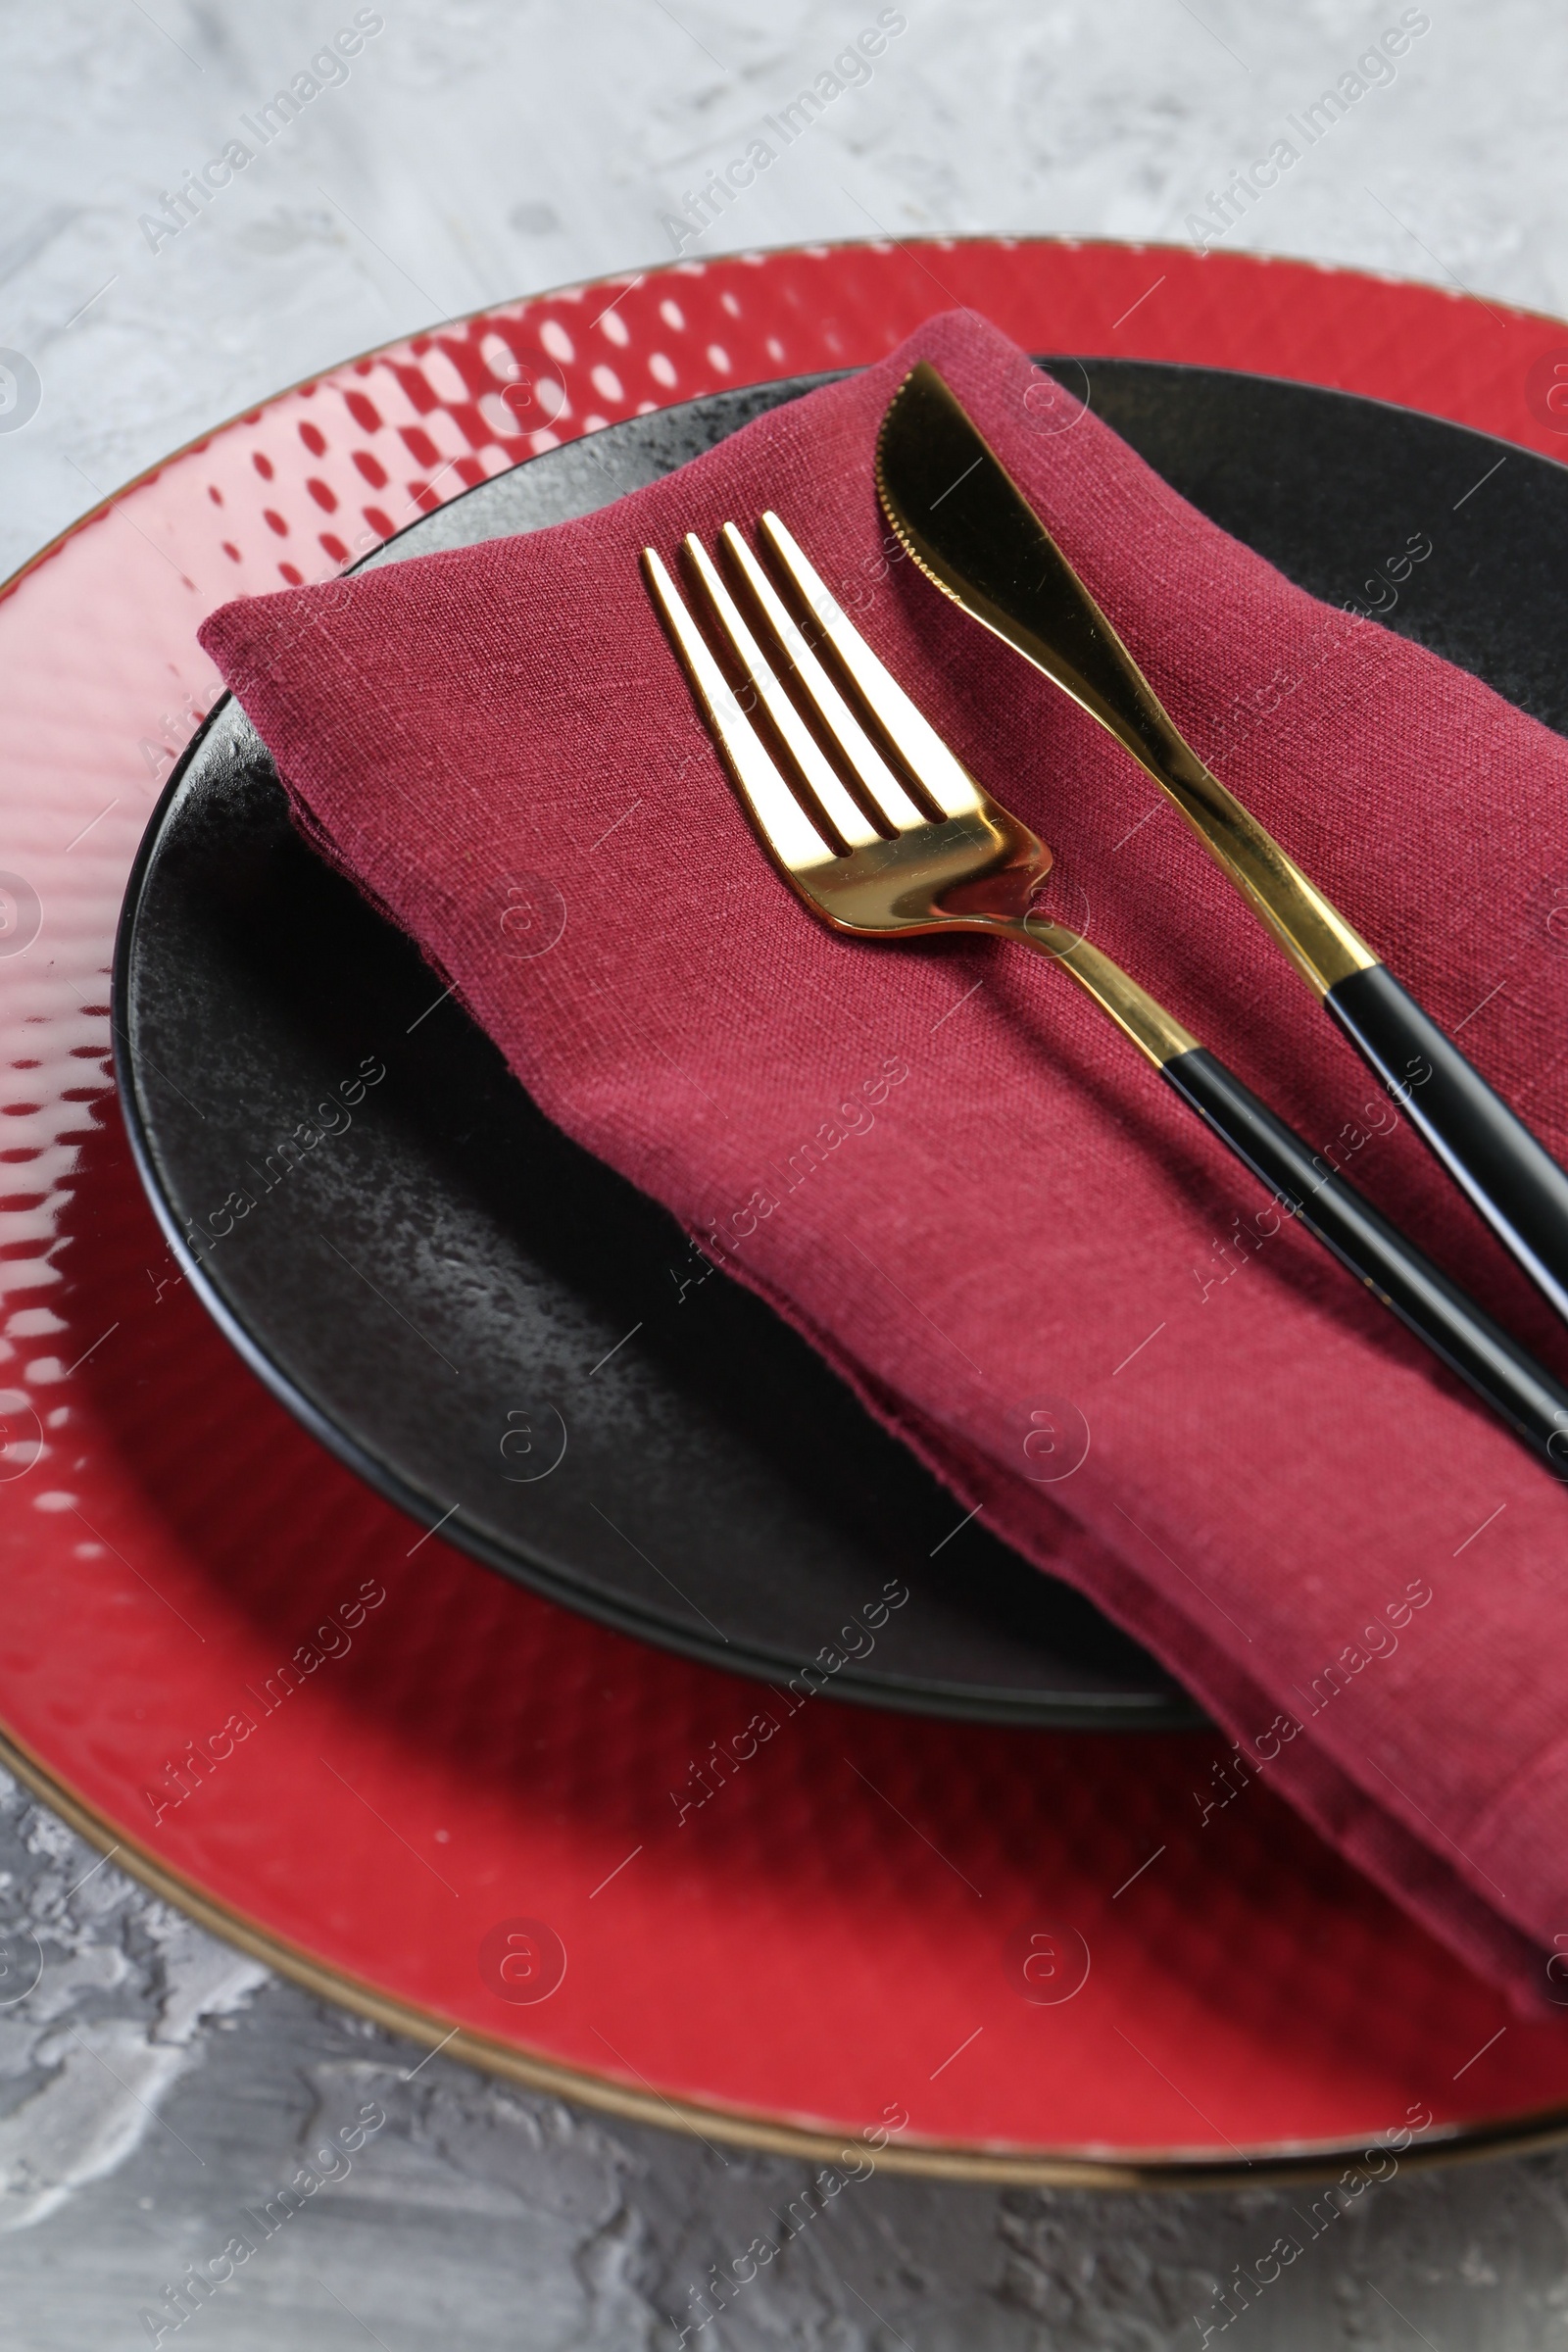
x: 1519, y: 1390
x: 1485, y: 1146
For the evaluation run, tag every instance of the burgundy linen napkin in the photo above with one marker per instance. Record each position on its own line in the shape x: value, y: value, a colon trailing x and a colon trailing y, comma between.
x: 944, y: 1165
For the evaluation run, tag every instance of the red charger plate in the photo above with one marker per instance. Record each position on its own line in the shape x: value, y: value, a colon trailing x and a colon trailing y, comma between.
x: 462, y: 1810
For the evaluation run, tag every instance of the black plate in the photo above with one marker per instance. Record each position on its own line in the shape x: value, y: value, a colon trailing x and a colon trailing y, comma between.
x: 721, y: 1492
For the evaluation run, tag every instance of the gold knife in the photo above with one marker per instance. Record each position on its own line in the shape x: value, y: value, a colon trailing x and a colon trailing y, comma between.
x: 964, y: 521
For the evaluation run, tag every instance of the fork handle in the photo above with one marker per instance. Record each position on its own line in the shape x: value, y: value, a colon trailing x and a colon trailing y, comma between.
x: 1485, y: 1146
x: 1522, y: 1392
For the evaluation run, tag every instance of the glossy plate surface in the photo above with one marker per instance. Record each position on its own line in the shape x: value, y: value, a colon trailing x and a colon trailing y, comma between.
x: 842, y: 1919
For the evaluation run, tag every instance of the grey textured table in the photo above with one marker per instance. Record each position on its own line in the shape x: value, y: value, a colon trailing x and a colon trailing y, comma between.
x: 154, y: 2082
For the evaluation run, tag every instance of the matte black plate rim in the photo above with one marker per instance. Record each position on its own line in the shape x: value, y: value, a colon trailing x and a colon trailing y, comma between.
x: 1110, y: 1711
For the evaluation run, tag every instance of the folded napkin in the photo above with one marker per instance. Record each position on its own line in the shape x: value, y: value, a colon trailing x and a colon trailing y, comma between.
x: 943, y: 1165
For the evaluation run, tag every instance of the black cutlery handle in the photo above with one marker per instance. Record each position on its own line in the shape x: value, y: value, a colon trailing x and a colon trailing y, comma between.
x: 1518, y: 1388
x: 1486, y: 1147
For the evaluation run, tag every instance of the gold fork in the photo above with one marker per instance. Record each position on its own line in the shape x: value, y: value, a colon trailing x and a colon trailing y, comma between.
x: 877, y: 862
x: 891, y: 837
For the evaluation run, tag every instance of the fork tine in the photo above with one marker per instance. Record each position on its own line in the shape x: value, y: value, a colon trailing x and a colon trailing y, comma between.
x: 846, y: 818
x: 774, y: 809
x: 881, y: 786
x: 944, y: 777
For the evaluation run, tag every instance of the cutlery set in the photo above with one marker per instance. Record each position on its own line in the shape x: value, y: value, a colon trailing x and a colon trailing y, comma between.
x: 890, y: 837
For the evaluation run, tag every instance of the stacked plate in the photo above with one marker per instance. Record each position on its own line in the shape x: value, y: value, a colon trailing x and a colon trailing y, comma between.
x: 755, y: 1793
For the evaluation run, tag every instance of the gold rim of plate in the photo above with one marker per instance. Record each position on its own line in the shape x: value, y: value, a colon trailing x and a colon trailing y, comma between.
x: 1271, y: 2164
